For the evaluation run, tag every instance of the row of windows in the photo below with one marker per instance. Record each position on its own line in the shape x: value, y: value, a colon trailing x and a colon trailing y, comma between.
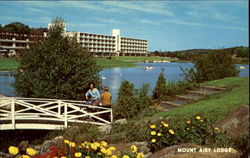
x: 133, y: 40
x: 82, y: 35
x: 133, y: 46
x: 94, y: 41
x: 133, y: 51
x: 90, y: 44
x: 133, y: 43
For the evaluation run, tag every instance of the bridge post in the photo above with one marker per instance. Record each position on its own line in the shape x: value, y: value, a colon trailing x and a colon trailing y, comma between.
x: 13, y: 113
x: 59, y: 107
x: 111, y: 116
x: 66, y: 115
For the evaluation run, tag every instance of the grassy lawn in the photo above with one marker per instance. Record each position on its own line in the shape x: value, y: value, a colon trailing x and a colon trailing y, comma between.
x: 7, y: 64
x: 109, y: 63
x: 142, y: 58
x: 218, y: 105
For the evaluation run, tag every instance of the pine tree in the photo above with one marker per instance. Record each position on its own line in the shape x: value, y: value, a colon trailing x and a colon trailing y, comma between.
x: 160, y: 88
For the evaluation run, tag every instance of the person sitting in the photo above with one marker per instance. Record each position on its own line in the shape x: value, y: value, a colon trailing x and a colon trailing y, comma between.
x: 92, y: 95
x: 105, y: 99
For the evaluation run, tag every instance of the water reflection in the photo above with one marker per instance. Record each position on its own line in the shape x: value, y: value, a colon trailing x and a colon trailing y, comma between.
x: 114, y: 76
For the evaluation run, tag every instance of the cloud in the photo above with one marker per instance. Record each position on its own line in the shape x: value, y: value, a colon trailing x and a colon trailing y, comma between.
x: 74, y: 25
x: 146, y: 21
x: 106, y: 20
x: 199, y: 24
x: 148, y: 7
x: 211, y: 10
x: 91, y: 6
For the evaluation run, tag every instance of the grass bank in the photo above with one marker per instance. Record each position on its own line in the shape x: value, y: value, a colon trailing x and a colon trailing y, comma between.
x: 109, y: 63
x: 142, y: 58
x: 218, y: 105
x: 7, y: 64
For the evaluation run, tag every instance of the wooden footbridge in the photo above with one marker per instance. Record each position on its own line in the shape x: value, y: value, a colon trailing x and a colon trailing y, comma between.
x: 49, y: 114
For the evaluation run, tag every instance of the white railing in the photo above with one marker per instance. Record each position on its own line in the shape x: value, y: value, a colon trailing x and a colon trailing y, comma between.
x: 37, y: 113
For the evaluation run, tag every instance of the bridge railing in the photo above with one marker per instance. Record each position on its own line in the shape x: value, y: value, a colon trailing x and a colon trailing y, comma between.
x: 38, y: 113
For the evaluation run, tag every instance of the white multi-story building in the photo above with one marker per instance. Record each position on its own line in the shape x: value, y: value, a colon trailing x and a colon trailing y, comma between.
x: 101, y: 45
x: 10, y: 43
x: 111, y: 45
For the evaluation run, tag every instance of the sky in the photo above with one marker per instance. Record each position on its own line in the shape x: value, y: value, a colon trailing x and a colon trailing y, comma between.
x: 167, y: 25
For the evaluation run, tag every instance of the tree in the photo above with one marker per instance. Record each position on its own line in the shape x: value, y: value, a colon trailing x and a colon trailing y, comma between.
x: 56, y: 67
x: 17, y: 27
x: 211, y: 66
x: 160, y: 88
x: 126, y: 102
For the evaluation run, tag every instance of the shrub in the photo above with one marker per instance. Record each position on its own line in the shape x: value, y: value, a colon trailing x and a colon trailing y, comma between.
x: 132, y: 102
x: 56, y: 67
x: 242, y: 52
x: 165, y: 90
x: 86, y: 132
x: 211, y: 66
x: 197, y: 130
x: 173, y: 88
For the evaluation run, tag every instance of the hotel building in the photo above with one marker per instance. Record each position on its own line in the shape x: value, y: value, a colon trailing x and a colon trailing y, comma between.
x: 100, y: 45
x: 115, y: 45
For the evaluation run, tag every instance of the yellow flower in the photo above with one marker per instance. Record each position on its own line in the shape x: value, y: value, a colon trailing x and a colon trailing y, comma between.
x: 125, y: 156
x: 93, y: 146
x: 162, y: 122
x: 13, y: 150
x: 78, y: 154
x: 66, y: 141
x: 103, y: 143
x: 140, y: 155
x: 108, y: 152
x: 165, y: 125
x: 153, y: 140
x: 198, y: 117
x: 72, y: 144
x: 87, y: 157
x: 153, y: 133
x: 188, y: 122
x: 216, y: 129
x: 113, y: 156
x: 103, y: 150
x: 152, y: 126
x: 171, y: 131
x: 24, y: 156
x: 63, y: 157
x: 133, y: 148
x: 112, y: 148
x: 159, y: 134
x: 31, y: 151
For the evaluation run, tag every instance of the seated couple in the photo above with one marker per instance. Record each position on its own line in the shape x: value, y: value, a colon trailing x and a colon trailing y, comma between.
x: 94, y: 98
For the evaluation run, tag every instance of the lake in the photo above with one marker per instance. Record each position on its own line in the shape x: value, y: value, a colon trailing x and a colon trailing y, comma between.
x: 113, y: 77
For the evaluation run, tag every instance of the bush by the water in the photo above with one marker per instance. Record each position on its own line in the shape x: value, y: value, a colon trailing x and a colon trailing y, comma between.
x: 165, y: 90
x: 132, y: 102
x: 211, y: 66
x: 56, y: 67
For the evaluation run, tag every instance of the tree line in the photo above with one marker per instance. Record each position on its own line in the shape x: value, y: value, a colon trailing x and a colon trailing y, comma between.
x: 193, y: 54
x: 20, y: 28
